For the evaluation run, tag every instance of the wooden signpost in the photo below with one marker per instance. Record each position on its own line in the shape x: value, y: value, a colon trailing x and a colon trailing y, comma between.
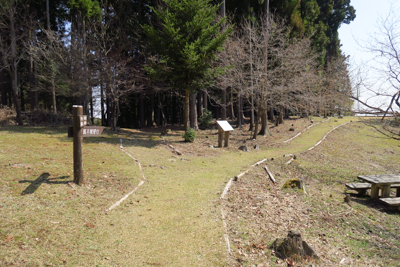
x: 78, y: 123
x: 80, y: 130
x: 224, y: 128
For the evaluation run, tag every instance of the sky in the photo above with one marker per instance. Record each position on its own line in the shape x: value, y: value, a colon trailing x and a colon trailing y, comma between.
x: 358, y: 32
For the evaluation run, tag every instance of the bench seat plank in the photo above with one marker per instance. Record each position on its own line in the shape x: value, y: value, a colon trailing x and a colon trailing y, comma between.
x: 356, y: 186
x: 391, y: 201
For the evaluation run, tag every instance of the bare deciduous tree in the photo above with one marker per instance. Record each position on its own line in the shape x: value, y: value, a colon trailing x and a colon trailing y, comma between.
x: 384, y: 45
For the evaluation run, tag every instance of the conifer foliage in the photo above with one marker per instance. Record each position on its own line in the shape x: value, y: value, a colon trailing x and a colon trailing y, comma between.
x: 185, y: 42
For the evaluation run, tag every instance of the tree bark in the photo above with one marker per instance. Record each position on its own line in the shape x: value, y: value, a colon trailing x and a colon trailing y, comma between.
x: 256, y: 125
x: 223, y: 104
x: 186, y: 124
x: 141, y: 110
x: 251, y: 115
x: 13, y: 69
x: 231, y: 109
x: 270, y: 112
x: 264, y: 124
x: 192, y: 112
x: 279, y: 117
x: 199, y: 104
x: 205, y: 99
x: 151, y: 118
x: 3, y: 89
x: 102, y: 100
x: 240, y: 110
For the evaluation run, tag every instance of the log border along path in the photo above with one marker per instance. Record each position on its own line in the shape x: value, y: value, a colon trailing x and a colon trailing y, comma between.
x: 229, y: 184
x: 305, y: 129
x: 116, y: 204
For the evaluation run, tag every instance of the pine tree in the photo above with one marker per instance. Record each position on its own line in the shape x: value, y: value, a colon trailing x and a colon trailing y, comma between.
x: 185, y: 43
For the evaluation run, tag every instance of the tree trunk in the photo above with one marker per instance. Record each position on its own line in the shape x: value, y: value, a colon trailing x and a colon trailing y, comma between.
x: 31, y: 85
x: 141, y: 110
x: 102, y: 99
x: 264, y: 124
x: 109, y: 106
x: 205, y: 99
x: 279, y: 117
x: 271, y: 116
x: 240, y: 111
x: 13, y: 69
x: 151, y: 118
x: 3, y: 89
x: 251, y: 115
x: 287, y: 112
x: 186, y: 123
x: 53, y: 90
x: 256, y: 125
x: 223, y: 104
x: 174, y: 107
x: 231, y: 109
x: 199, y: 104
x: 192, y: 112
x: 159, y: 110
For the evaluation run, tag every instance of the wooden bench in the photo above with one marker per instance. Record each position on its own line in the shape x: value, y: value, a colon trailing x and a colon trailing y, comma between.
x: 391, y: 201
x: 362, y: 188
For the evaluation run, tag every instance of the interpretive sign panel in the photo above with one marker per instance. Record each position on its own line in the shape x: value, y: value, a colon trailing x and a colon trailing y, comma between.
x: 89, y: 131
x: 225, y: 126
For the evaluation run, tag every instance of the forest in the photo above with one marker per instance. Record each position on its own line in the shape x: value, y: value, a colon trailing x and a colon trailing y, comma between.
x: 141, y: 63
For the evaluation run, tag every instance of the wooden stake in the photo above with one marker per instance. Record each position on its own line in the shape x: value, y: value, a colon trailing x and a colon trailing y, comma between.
x: 77, y: 144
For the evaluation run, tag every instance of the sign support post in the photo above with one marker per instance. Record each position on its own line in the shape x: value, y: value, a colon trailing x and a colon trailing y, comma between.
x: 78, y: 122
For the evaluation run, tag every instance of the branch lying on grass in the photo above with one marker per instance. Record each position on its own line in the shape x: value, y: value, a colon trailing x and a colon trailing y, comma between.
x: 173, y: 148
x: 270, y: 174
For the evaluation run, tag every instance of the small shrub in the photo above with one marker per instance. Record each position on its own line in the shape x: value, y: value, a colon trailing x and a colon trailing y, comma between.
x: 205, y: 120
x: 189, y: 135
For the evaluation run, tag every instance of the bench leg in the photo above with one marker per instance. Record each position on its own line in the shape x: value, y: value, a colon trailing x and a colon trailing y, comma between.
x: 374, y: 191
x: 398, y: 192
x: 362, y: 192
x: 385, y: 191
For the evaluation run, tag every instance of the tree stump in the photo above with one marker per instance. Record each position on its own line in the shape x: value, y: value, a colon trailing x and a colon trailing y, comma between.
x: 293, y: 247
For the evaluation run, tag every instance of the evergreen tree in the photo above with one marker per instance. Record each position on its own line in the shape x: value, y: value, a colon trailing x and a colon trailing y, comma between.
x: 185, y: 43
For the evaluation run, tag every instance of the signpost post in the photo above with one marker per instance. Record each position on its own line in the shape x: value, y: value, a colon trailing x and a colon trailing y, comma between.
x: 78, y: 122
x: 80, y: 130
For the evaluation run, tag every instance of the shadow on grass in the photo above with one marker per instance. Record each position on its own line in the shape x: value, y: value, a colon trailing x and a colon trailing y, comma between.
x: 43, y: 178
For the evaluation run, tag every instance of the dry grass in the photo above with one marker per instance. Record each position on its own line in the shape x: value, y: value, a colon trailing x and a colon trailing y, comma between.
x: 364, y: 233
x: 172, y: 220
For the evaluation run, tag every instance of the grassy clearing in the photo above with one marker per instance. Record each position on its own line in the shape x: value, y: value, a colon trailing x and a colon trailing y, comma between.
x: 172, y: 220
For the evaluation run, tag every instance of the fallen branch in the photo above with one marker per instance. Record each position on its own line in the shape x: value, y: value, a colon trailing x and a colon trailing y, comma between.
x: 173, y: 148
x: 270, y: 174
x: 290, y: 161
